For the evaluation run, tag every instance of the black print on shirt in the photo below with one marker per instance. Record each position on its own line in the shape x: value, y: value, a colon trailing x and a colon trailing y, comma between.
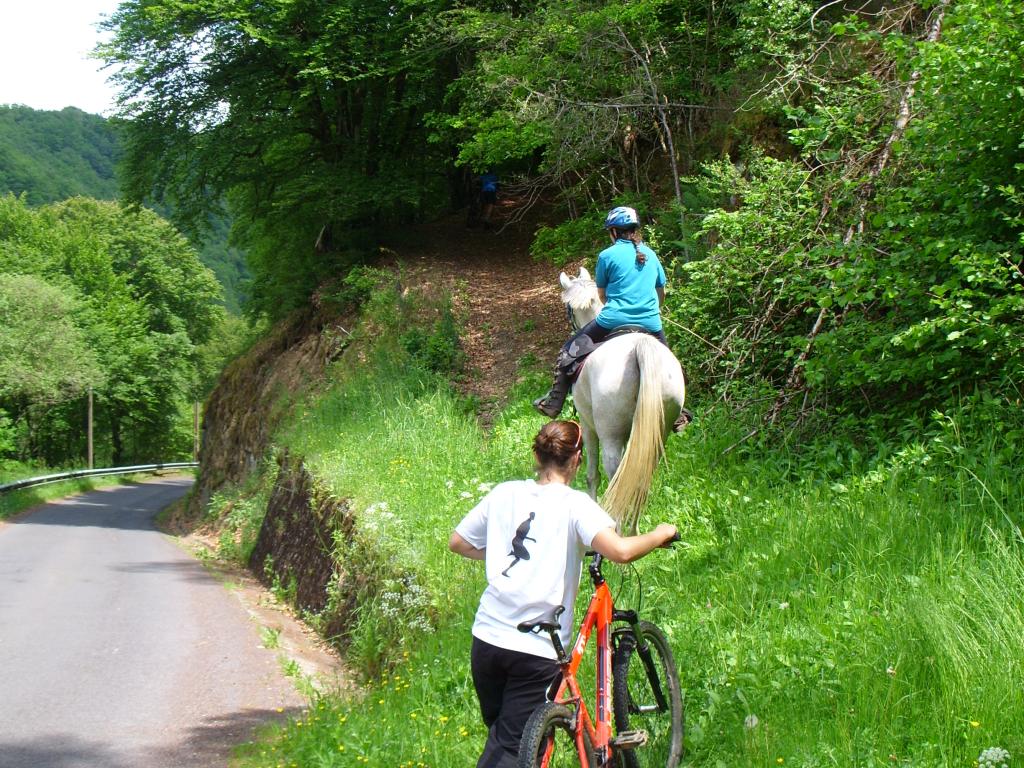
x: 519, y: 550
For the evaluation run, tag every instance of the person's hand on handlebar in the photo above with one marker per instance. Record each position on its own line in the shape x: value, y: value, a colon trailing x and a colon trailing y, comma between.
x: 626, y: 549
x: 668, y: 532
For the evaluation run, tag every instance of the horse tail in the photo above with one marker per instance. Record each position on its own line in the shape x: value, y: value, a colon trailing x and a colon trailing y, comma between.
x: 627, y: 492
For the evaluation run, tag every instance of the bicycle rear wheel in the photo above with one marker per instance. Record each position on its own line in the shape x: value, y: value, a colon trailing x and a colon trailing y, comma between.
x: 646, y: 695
x: 549, y: 740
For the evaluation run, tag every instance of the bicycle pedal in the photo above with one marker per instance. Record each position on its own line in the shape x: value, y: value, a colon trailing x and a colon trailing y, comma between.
x: 630, y: 739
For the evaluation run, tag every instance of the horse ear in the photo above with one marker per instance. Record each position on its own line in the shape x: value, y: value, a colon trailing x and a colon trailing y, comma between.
x: 564, y: 280
x: 584, y: 275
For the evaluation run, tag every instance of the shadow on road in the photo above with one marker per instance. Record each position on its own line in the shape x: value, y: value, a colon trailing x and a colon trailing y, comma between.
x: 184, y: 570
x: 208, y: 744
x: 58, y: 751
x: 212, y: 742
x: 125, y: 507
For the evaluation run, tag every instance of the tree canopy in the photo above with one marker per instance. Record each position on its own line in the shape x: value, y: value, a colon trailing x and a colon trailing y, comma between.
x: 50, y: 156
x: 95, y: 294
x: 44, y: 358
x: 308, y: 116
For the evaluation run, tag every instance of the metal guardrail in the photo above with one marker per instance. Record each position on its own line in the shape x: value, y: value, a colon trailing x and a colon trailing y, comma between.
x: 75, y: 474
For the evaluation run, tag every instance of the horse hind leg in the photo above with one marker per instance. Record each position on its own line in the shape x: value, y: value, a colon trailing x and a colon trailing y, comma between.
x: 611, y: 457
x: 590, y: 441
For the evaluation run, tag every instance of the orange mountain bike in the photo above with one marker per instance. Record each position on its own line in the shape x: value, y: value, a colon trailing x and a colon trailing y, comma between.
x: 644, y: 695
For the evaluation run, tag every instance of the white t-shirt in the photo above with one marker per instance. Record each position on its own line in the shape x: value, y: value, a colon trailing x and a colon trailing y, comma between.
x: 534, y: 537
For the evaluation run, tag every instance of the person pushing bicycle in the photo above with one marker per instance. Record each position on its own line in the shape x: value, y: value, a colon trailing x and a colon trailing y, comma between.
x: 532, y: 536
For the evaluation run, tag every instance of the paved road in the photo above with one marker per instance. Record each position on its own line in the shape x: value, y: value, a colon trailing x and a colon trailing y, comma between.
x: 117, y: 649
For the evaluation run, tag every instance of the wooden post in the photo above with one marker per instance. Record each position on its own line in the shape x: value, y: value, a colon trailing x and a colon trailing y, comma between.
x: 89, y: 429
x: 195, y: 431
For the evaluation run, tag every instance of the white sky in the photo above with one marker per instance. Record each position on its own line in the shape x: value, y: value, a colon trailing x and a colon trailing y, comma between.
x: 44, y: 47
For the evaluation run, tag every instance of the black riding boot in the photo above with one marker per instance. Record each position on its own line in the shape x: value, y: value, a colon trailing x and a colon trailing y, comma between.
x: 551, y: 404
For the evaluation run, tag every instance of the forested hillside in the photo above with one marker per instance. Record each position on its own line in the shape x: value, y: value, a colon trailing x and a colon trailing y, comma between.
x: 836, y: 190
x: 52, y: 156
x: 94, y: 296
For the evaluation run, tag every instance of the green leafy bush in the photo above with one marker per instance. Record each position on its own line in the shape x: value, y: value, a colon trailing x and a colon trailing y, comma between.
x: 437, y: 348
x: 358, y: 285
x: 877, y: 287
x: 237, y: 513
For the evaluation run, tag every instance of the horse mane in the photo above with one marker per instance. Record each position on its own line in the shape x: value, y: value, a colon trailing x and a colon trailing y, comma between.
x: 580, y: 294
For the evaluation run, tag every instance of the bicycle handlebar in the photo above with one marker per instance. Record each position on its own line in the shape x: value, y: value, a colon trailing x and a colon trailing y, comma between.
x: 597, y: 559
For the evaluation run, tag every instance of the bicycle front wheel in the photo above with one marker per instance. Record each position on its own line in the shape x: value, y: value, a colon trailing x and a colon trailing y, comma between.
x: 549, y: 739
x: 646, y: 695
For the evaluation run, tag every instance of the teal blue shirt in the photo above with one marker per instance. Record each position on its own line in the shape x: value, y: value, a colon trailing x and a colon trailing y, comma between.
x: 630, y: 289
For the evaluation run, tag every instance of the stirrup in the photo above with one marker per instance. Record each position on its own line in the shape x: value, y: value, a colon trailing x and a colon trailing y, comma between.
x: 546, y: 407
x: 685, y: 417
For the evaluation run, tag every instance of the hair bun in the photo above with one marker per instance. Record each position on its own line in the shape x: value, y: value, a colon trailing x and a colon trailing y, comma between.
x: 557, y: 442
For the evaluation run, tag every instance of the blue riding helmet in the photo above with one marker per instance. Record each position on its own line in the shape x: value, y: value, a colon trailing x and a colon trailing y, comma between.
x: 621, y: 218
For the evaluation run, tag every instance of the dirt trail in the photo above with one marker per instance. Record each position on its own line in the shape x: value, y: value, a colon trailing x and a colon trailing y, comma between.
x: 510, y: 301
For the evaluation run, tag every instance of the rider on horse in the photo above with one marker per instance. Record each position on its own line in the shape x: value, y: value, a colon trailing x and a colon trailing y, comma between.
x: 631, y: 282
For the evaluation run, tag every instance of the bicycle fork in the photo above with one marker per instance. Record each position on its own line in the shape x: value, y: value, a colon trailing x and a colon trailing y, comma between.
x: 644, y: 649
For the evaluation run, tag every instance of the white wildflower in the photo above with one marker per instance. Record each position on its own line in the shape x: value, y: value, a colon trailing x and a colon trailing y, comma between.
x: 994, y: 757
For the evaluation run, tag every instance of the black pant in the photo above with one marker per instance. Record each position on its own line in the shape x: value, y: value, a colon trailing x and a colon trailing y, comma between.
x: 510, y: 686
x: 599, y: 333
x: 582, y: 343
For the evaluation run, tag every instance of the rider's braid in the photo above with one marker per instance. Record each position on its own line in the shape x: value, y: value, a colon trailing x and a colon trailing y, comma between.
x: 634, y: 236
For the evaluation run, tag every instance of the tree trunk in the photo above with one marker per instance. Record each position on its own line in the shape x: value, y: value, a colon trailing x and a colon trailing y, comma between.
x: 115, y: 440
x: 656, y: 100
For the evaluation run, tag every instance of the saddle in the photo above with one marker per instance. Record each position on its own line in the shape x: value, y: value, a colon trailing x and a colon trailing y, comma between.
x: 572, y: 361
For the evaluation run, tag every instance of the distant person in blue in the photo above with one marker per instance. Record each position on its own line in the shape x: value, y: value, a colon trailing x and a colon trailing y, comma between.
x: 488, y: 197
x: 631, y: 282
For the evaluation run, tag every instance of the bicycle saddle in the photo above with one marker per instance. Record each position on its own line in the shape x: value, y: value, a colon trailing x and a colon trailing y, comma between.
x: 548, y: 622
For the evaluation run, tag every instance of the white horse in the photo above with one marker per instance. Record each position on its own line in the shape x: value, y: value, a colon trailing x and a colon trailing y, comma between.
x: 628, y: 395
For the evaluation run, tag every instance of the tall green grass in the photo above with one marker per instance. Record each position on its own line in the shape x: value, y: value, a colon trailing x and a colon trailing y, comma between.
x: 830, y: 619
x: 411, y: 460
x: 830, y: 605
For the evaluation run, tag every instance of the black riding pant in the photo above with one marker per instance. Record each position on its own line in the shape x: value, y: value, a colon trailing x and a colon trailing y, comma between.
x: 573, y: 349
x: 510, y: 686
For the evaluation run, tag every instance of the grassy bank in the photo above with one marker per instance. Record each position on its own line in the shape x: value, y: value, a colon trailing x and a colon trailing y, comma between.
x: 829, y: 606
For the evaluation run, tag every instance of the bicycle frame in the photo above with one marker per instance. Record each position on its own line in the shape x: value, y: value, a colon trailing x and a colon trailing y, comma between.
x: 599, y: 616
x: 593, y: 738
